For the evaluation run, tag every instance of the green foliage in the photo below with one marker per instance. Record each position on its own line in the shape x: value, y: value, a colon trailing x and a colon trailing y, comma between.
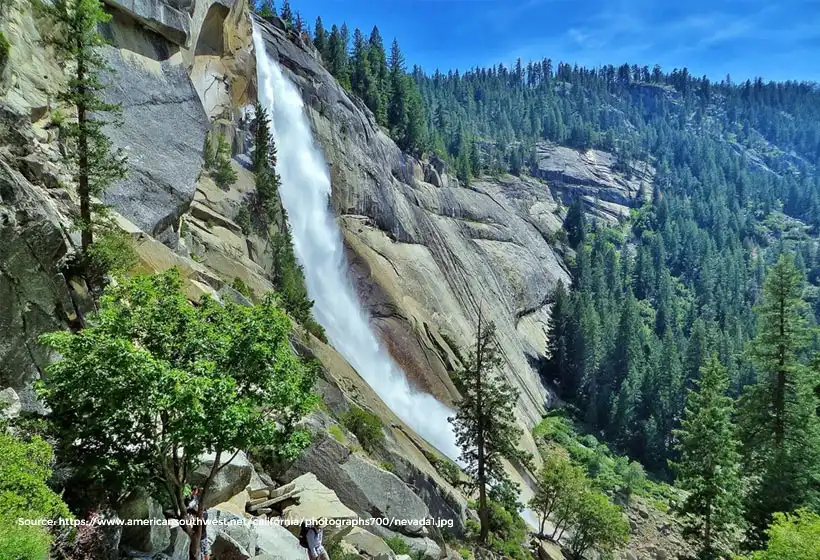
x: 174, y: 381
x: 451, y: 472
x: 223, y: 174
x: 387, y: 466
x: 709, y: 462
x: 25, y: 467
x: 336, y: 433
x: 575, y: 223
x: 336, y: 553
x: 243, y: 219
x: 558, y: 485
x: 598, y: 525
x: 112, y: 253
x: 95, y: 165
x: 366, y: 426
x: 398, y: 545
x: 239, y: 285
x: 507, y: 533
x: 5, y: 49
x: 778, y: 419
x: 485, y: 424
x: 793, y: 537
x: 265, y: 9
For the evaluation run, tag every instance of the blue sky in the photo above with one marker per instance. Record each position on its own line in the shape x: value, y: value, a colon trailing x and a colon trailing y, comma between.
x: 776, y: 39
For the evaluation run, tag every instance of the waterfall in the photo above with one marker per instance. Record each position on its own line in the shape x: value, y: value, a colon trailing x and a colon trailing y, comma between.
x: 317, y: 241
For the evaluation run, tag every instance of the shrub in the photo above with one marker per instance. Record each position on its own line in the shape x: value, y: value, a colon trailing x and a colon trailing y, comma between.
x: 366, y: 426
x: 5, y: 48
x: 111, y: 253
x: 239, y: 285
x: 243, y: 219
x: 220, y: 164
x: 336, y: 433
x: 388, y: 466
x: 793, y: 536
x: 398, y: 545
x: 25, y: 465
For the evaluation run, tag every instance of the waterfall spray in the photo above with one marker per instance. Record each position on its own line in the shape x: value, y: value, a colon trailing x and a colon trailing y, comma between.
x: 317, y: 242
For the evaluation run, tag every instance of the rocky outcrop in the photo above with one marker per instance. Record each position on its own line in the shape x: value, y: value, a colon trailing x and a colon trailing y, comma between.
x: 277, y: 543
x: 231, y: 479
x: 366, y: 488
x: 159, y: 16
x: 34, y: 245
x: 162, y: 133
x: 609, y: 186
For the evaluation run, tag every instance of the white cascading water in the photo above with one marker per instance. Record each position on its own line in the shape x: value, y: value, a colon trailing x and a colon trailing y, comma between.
x: 305, y: 192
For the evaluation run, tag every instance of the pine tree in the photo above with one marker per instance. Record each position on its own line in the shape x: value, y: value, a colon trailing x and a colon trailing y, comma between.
x: 320, y: 38
x: 266, y: 9
x: 90, y: 156
x: 485, y: 424
x: 397, y: 106
x: 287, y: 14
x: 575, y: 223
x: 378, y: 66
x: 709, y: 461
x: 779, y: 422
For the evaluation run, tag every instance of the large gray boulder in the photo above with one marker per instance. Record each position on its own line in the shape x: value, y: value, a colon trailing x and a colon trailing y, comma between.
x: 180, y: 545
x: 162, y: 133
x: 159, y: 16
x: 9, y: 404
x: 240, y: 529
x: 277, y: 543
x: 366, y: 488
x: 141, y: 539
x: 231, y: 479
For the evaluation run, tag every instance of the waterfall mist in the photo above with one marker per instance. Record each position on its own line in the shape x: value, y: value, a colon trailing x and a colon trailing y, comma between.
x: 305, y: 192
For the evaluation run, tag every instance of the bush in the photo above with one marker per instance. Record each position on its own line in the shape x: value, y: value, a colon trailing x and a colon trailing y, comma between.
x: 218, y: 162
x: 398, y: 545
x: 366, y: 426
x: 5, y: 48
x: 24, y: 468
x: 336, y: 433
x: 111, y: 253
x: 239, y: 285
x: 388, y: 466
x: 793, y: 537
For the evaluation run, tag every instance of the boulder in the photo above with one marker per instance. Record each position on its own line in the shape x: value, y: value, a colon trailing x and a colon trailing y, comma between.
x: 224, y: 520
x: 366, y: 488
x: 9, y: 404
x: 277, y: 543
x: 228, y: 482
x: 313, y: 500
x: 164, y: 18
x: 549, y: 551
x: 162, y: 133
x: 144, y: 539
x: 367, y: 543
x: 223, y: 547
x: 180, y: 545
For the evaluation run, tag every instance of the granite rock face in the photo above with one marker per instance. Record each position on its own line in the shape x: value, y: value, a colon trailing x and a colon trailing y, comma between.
x: 165, y: 18
x: 162, y: 133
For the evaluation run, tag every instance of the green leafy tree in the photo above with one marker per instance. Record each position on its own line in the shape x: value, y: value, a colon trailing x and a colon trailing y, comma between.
x: 792, y: 536
x: 558, y: 481
x: 598, y: 525
x: 25, y: 468
x: 778, y: 420
x: 95, y: 165
x: 709, y: 462
x: 156, y: 382
x: 485, y: 425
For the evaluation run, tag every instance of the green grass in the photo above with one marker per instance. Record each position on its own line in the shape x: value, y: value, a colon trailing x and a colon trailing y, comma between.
x: 366, y: 426
x: 336, y: 433
x: 398, y: 545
